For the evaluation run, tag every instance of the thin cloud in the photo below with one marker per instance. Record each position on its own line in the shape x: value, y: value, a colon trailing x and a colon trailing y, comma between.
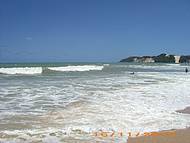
x: 28, y: 38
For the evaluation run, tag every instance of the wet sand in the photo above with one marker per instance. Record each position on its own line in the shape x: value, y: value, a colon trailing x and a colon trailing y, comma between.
x: 185, y: 111
x: 181, y: 135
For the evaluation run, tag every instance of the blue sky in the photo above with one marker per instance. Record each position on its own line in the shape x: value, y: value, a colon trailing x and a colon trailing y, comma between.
x: 92, y: 30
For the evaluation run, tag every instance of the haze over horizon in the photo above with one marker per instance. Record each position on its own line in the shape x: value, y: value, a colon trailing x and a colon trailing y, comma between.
x: 92, y: 31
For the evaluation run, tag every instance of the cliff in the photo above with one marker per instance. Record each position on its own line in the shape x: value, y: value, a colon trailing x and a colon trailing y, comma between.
x: 162, y: 58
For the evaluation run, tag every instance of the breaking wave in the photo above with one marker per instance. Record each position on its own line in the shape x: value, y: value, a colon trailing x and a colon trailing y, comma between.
x: 21, y: 70
x: 76, y: 68
x: 40, y: 70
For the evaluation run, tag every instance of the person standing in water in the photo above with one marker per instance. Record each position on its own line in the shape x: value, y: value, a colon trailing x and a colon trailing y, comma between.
x: 186, y: 70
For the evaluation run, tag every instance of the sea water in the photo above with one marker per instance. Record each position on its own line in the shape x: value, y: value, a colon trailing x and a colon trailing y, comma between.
x: 70, y: 102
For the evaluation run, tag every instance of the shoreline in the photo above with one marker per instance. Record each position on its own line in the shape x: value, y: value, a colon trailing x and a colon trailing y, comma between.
x: 181, y: 135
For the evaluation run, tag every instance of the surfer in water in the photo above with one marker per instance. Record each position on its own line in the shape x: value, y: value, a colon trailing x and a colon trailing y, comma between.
x: 132, y: 73
x: 186, y: 70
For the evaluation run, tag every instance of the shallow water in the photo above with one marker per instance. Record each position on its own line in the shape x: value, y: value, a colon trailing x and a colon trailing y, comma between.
x: 70, y: 102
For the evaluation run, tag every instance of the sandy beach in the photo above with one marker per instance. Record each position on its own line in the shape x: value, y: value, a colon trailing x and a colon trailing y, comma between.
x: 184, y: 111
x: 181, y: 135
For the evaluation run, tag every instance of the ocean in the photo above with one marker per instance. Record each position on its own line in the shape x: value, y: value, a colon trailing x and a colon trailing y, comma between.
x: 71, y: 102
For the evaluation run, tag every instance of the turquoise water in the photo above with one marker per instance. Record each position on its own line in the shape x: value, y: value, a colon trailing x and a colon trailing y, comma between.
x: 67, y: 102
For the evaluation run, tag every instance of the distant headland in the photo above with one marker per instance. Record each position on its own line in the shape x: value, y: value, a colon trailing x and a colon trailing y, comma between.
x: 162, y: 58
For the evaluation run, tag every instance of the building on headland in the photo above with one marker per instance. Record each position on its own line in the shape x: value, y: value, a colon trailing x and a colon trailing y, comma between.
x: 144, y: 59
x: 177, y: 58
x: 149, y: 60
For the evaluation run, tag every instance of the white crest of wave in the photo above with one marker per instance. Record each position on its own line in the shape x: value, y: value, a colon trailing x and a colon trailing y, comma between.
x: 77, y: 68
x: 21, y: 70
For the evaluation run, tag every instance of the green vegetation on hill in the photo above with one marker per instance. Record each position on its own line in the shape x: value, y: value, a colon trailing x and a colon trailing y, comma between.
x: 162, y: 58
x: 184, y: 59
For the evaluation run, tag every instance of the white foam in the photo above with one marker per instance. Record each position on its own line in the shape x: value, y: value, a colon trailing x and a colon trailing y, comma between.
x: 21, y: 70
x: 159, y: 67
x: 76, y: 68
x: 143, y: 102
